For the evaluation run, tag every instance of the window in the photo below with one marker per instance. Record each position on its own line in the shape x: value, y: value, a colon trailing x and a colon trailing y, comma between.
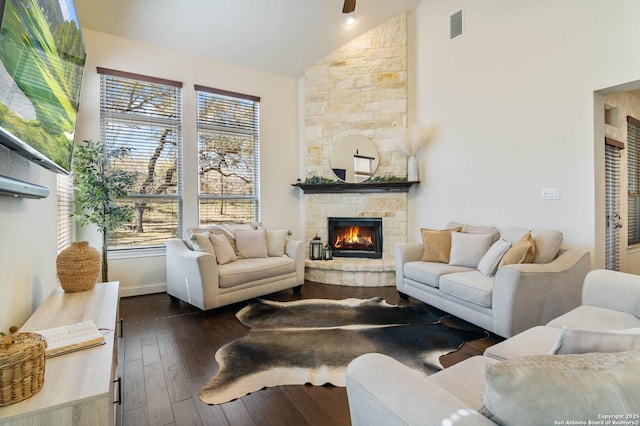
x: 228, y: 156
x: 65, y: 208
x: 613, y: 235
x: 633, y: 179
x: 144, y: 115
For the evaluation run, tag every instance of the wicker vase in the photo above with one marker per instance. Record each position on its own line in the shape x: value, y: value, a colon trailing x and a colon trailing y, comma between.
x: 78, y: 267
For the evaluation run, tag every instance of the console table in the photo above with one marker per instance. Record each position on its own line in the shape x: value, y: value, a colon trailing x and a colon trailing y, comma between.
x: 78, y: 387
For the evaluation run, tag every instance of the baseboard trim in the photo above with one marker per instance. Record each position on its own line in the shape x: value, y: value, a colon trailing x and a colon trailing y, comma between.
x: 139, y: 290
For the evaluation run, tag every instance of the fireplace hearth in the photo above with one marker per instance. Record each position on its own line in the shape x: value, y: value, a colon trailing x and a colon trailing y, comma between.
x: 355, y: 237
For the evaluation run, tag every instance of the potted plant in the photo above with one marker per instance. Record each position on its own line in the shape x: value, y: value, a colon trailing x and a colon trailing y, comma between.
x: 99, y: 185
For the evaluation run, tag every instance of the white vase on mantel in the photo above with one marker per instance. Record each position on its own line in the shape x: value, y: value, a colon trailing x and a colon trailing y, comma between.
x: 412, y: 169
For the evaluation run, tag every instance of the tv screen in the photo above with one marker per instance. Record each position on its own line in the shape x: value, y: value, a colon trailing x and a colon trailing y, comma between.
x: 42, y: 58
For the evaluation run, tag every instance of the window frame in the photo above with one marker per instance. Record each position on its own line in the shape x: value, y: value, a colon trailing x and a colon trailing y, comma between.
x: 149, y: 121
x: 633, y: 181
x: 235, y: 129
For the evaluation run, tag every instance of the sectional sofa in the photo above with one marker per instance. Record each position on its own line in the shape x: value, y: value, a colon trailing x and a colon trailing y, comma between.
x: 583, y: 366
x: 463, y: 271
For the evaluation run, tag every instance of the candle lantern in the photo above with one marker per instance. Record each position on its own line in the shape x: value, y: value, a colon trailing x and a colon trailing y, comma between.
x: 327, y: 253
x: 315, y: 249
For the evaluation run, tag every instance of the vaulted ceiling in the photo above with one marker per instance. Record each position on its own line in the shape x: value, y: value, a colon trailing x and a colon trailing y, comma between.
x: 279, y: 36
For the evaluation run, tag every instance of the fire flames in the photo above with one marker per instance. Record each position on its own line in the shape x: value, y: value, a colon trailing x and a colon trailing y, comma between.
x: 351, y: 239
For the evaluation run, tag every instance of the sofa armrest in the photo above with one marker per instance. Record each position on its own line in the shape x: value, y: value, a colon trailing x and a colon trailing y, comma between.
x: 614, y: 290
x: 295, y: 249
x: 191, y: 276
x: 382, y: 391
x: 531, y: 294
x: 403, y: 253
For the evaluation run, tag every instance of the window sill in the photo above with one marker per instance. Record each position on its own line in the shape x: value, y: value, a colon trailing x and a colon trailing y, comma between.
x: 633, y: 249
x: 132, y: 253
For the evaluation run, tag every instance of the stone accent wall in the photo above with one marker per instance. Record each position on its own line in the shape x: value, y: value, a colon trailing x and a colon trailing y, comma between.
x: 359, y: 89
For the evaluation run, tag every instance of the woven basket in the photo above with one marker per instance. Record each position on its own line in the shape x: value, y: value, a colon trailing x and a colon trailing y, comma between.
x: 78, y: 267
x: 22, y: 360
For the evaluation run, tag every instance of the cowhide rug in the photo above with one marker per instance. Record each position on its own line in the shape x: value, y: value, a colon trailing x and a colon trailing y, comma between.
x: 313, y: 340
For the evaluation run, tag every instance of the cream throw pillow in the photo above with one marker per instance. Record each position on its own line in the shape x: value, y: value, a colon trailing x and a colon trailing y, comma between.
x: 468, y: 249
x: 436, y: 245
x: 489, y: 262
x: 578, y: 341
x: 224, y: 251
x: 276, y: 241
x: 522, y: 251
x: 251, y: 244
x: 543, y: 389
x: 201, y: 242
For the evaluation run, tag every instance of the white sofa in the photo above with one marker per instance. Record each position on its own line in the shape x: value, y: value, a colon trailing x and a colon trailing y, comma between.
x: 382, y: 391
x: 512, y: 299
x: 208, y: 276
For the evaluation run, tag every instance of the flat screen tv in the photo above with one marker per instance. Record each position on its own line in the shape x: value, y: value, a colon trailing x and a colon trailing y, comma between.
x: 42, y: 58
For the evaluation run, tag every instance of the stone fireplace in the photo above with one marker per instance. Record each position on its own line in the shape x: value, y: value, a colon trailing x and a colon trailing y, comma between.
x: 360, y: 89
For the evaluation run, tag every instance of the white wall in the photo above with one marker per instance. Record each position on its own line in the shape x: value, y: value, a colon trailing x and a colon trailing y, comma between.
x: 513, y: 100
x: 27, y: 242
x: 278, y: 134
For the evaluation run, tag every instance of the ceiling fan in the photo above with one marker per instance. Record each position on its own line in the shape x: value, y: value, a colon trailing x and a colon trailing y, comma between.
x: 349, y: 6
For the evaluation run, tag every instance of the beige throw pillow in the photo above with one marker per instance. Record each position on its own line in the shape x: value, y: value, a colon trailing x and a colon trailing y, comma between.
x: 436, y: 245
x: 251, y: 244
x: 522, y: 251
x: 200, y: 242
x: 543, y: 389
x: 224, y: 251
x: 468, y: 249
x: 276, y: 241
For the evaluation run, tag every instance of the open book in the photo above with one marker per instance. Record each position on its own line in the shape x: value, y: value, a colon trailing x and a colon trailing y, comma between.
x: 71, y: 338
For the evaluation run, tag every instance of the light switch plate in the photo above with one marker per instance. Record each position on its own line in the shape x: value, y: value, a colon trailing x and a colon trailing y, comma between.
x: 551, y: 193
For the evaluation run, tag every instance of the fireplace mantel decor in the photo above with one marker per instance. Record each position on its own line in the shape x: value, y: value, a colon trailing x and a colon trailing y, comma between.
x: 341, y: 187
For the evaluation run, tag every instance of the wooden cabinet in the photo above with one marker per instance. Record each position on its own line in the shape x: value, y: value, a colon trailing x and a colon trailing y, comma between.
x: 78, y: 387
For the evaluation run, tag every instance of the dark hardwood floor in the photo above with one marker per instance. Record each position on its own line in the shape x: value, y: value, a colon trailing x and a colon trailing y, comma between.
x: 167, y: 355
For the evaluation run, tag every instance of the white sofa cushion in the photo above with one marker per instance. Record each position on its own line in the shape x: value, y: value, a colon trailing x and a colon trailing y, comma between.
x: 429, y: 273
x: 471, y: 286
x: 468, y: 249
x: 595, y: 318
x: 489, y: 262
x: 476, y: 229
x: 543, y: 389
x: 245, y: 271
x: 580, y: 341
x: 250, y: 244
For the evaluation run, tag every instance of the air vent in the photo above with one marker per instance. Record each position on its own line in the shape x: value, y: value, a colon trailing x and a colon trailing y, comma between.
x: 455, y: 25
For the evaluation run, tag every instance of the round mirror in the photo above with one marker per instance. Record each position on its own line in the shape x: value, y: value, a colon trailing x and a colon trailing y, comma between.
x: 354, y: 159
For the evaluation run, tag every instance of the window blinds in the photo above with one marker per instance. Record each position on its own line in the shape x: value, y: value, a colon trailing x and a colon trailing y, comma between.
x: 633, y: 179
x: 228, y: 156
x: 612, y: 204
x: 144, y: 116
x: 65, y: 209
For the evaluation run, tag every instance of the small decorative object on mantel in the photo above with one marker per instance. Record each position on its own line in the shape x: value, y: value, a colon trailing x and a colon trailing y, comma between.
x: 22, y: 363
x: 315, y: 249
x: 413, y: 144
x: 78, y: 266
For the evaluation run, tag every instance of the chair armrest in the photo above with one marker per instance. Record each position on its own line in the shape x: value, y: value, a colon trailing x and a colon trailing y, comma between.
x: 191, y: 276
x: 531, y: 294
x: 295, y: 249
x: 403, y: 253
x: 382, y: 391
x: 614, y: 290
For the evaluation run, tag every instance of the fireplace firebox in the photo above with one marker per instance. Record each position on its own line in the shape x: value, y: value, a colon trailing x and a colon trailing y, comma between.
x: 355, y: 237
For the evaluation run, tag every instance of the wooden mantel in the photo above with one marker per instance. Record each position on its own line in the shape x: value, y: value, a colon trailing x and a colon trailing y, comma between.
x: 366, y: 187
